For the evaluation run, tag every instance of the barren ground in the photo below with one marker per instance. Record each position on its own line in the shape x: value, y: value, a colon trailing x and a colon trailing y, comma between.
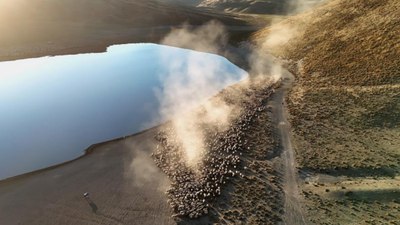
x: 113, y: 174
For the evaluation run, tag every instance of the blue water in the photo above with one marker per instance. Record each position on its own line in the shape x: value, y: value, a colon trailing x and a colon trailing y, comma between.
x: 53, y: 108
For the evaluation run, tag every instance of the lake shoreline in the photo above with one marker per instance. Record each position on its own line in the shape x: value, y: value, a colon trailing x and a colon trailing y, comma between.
x: 56, y: 193
x: 94, y: 121
x: 26, y: 191
x: 112, y: 170
x: 236, y: 33
x: 89, y: 150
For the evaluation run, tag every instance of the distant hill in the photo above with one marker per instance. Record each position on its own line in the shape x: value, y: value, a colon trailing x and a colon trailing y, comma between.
x: 28, y: 27
x: 271, y: 7
x: 129, y: 12
x: 248, y: 6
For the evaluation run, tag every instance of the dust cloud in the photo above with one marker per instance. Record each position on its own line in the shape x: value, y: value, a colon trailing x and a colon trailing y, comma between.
x: 211, y: 37
x: 190, y: 82
x: 183, y: 93
x: 279, y: 34
x: 141, y: 170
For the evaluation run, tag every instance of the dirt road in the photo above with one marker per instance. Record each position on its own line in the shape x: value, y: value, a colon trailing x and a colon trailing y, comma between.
x: 293, y: 210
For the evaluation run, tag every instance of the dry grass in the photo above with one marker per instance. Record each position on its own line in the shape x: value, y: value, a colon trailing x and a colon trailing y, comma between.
x: 345, y: 107
x: 345, y: 103
x: 344, y: 43
x: 355, y: 201
x: 346, y: 128
x: 350, y: 211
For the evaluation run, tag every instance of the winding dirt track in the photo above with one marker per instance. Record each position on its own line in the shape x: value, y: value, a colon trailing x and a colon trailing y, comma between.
x: 293, y: 210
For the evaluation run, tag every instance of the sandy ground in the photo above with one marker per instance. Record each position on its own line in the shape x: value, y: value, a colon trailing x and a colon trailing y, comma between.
x: 124, y: 184
x: 294, y: 213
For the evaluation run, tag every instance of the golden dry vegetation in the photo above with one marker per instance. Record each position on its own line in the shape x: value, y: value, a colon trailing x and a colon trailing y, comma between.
x: 343, y: 43
x: 345, y: 107
x: 347, y: 127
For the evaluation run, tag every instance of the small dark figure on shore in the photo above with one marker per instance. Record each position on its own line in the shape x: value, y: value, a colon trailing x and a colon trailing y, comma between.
x: 91, y: 203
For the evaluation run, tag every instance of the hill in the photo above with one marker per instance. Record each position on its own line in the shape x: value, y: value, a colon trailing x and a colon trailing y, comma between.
x: 345, y: 106
x: 43, y: 27
x: 247, y: 6
x: 270, y: 7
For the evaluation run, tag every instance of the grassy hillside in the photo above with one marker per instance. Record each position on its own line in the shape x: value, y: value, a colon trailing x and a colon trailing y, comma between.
x: 345, y: 43
x: 346, y: 55
x: 345, y: 107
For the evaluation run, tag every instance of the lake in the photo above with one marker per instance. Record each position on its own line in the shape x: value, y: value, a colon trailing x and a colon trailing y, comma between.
x: 53, y: 108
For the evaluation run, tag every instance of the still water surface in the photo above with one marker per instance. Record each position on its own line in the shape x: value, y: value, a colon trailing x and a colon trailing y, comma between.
x: 52, y: 108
